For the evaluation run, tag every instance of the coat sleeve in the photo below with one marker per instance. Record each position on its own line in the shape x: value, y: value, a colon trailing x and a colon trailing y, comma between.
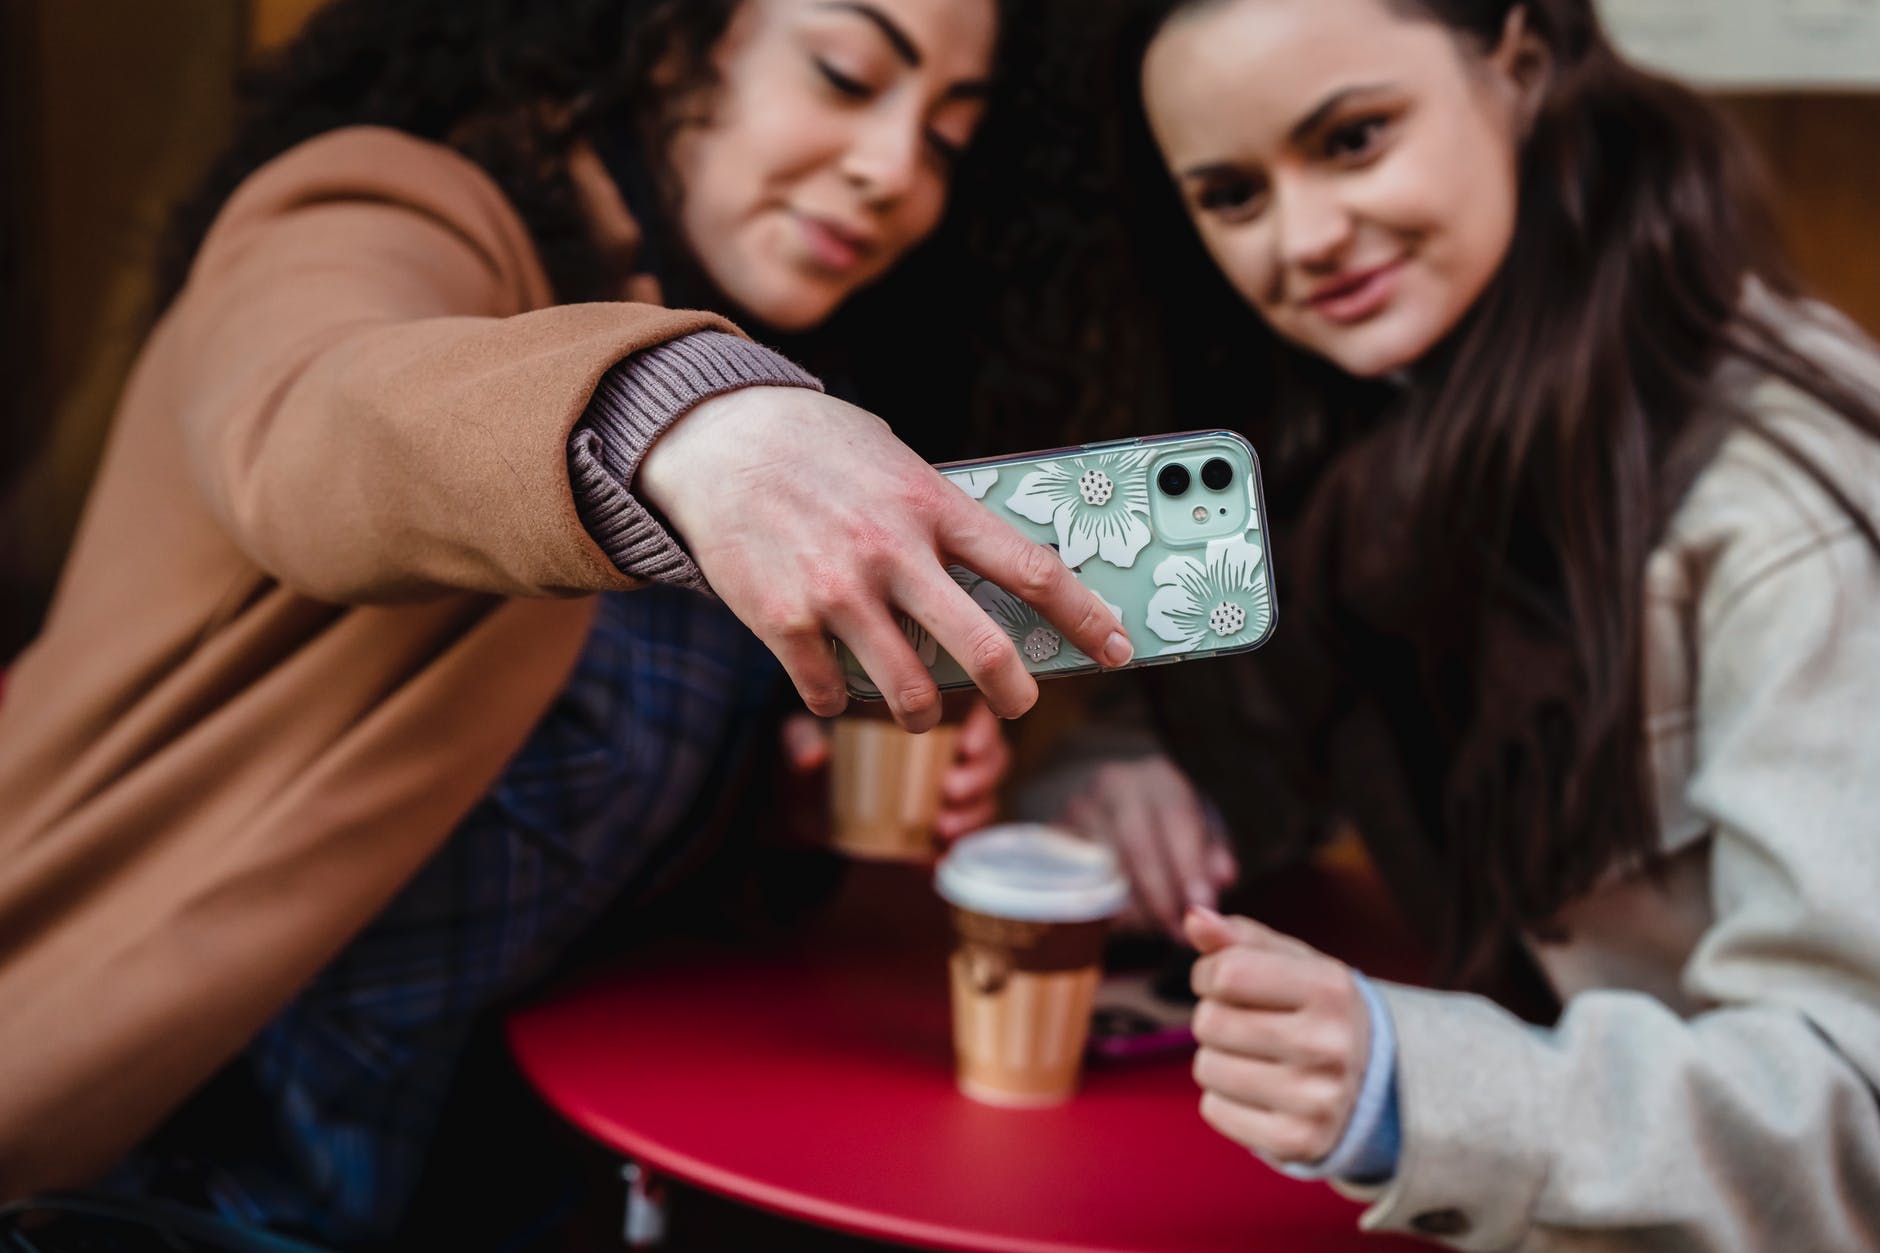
x: 374, y: 403
x: 1754, y: 1124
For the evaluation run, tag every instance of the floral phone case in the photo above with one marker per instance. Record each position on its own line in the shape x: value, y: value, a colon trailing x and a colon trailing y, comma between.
x: 1169, y: 530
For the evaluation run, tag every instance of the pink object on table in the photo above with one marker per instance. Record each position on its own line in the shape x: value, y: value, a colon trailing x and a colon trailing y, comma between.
x: 814, y: 1078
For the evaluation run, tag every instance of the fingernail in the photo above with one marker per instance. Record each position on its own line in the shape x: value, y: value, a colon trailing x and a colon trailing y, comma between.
x: 1118, y: 650
x: 1201, y: 894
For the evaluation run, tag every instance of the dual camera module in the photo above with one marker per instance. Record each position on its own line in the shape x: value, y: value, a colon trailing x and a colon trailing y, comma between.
x: 1175, y: 480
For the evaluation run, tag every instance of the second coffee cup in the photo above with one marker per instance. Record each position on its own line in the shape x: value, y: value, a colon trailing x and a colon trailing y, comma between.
x: 884, y: 783
x: 1031, y: 906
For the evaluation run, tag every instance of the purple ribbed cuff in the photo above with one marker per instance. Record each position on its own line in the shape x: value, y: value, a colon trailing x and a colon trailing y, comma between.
x: 631, y: 407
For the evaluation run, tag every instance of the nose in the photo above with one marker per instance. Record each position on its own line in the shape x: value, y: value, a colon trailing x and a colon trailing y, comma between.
x: 1314, y: 226
x: 883, y: 159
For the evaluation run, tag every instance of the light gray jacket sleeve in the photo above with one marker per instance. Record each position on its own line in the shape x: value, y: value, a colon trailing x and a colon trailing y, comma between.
x: 1753, y: 1124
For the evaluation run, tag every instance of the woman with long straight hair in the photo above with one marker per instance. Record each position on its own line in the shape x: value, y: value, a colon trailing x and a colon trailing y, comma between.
x: 1579, y: 618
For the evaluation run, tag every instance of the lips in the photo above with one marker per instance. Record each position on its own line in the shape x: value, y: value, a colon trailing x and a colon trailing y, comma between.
x: 1356, y: 295
x: 834, y: 245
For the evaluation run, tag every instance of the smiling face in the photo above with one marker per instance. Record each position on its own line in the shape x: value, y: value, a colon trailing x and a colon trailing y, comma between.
x: 1351, y: 169
x: 830, y: 146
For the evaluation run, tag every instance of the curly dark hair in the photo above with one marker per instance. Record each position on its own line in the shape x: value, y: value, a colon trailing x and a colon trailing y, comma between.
x: 512, y: 84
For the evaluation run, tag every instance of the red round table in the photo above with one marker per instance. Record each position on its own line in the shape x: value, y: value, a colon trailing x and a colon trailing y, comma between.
x: 813, y: 1078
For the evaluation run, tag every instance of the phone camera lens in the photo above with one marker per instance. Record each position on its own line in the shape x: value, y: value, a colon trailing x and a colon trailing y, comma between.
x: 1217, y: 473
x: 1173, y: 479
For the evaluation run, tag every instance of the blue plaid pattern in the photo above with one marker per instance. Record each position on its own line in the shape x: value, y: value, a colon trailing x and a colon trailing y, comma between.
x: 661, y: 707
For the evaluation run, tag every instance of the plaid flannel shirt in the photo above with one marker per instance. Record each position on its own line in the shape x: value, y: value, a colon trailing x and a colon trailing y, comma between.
x: 352, y: 1075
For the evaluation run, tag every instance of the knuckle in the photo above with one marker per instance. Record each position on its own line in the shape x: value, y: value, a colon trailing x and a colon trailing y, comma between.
x: 1334, y: 986
x: 1295, y: 1141
x: 1036, y: 571
x: 1212, y: 1069
x: 930, y: 497
x: 1235, y: 969
x: 1327, y: 1048
x: 873, y: 548
x: 825, y: 700
x: 917, y: 698
x: 988, y: 649
x: 785, y: 616
x: 830, y: 588
x: 1211, y: 1022
x: 1321, y: 1102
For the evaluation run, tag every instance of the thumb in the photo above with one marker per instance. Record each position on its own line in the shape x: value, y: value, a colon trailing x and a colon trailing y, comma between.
x: 1210, y: 932
x: 1207, y: 930
x: 805, y: 743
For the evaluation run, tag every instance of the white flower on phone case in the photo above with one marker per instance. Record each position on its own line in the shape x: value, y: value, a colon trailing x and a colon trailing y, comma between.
x: 1037, y: 640
x: 1223, y: 600
x: 975, y: 483
x: 1099, y: 505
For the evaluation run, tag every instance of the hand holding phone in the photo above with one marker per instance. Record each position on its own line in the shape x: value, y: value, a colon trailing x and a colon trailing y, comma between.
x: 1169, y: 531
x: 811, y: 521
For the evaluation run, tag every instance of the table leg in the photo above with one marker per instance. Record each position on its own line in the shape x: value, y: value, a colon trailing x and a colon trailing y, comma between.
x: 644, y: 1225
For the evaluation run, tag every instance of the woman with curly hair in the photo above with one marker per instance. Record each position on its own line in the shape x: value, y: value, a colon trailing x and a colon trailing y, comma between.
x: 328, y: 743
x: 1579, y: 570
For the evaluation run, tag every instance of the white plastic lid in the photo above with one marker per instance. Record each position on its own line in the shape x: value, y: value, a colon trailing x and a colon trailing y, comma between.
x: 1033, y: 873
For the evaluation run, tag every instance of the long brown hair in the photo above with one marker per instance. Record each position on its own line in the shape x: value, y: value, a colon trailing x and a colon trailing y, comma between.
x: 1543, y: 443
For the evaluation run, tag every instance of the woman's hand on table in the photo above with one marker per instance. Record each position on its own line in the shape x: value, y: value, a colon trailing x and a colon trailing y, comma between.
x: 1170, y: 845
x: 1285, y: 1037
x: 813, y: 522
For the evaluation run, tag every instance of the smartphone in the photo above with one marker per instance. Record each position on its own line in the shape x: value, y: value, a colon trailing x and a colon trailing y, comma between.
x: 1143, y: 1013
x: 1169, y: 530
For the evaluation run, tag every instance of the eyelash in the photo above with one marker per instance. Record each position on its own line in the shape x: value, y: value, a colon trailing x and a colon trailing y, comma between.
x: 1230, y: 197
x: 1365, y: 130
x: 854, y: 89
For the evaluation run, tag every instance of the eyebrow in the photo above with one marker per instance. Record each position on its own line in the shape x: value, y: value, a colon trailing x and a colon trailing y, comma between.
x: 904, y: 46
x: 889, y: 30
x: 1302, y: 128
x: 1330, y: 105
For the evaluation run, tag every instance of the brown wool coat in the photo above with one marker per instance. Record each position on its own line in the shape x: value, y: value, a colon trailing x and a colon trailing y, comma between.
x: 330, y: 575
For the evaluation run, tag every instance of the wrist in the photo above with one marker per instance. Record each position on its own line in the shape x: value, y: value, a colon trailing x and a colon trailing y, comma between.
x: 692, y: 450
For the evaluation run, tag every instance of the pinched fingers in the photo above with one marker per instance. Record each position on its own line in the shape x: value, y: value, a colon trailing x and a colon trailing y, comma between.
x: 1311, y: 1042
x: 1264, y: 978
x: 1320, y: 1098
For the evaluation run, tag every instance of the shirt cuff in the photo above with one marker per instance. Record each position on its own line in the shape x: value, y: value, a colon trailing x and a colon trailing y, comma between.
x: 1367, y: 1151
x: 632, y: 406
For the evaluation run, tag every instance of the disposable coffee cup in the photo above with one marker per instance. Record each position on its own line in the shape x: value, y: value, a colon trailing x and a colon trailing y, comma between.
x: 884, y: 784
x: 1031, y: 905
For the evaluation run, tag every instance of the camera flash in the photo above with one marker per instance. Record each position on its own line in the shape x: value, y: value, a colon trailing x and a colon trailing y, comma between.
x: 1201, y: 513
